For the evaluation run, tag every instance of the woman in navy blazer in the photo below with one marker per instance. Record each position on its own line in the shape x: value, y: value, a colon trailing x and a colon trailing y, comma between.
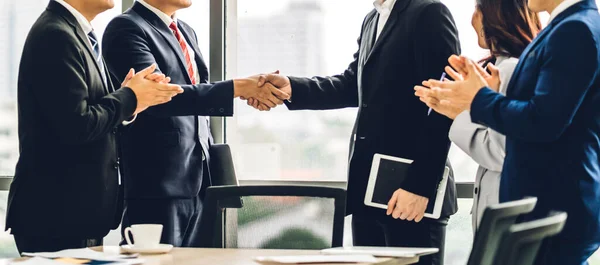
x: 551, y: 119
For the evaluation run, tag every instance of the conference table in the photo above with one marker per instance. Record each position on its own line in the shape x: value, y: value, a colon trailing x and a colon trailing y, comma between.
x: 195, y: 256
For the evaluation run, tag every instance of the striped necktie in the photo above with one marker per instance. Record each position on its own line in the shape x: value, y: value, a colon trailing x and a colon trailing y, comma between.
x: 96, y: 49
x: 188, y: 60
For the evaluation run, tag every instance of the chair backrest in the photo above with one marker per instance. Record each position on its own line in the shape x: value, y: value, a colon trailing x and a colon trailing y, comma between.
x: 496, y: 220
x: 265, y: 216
x: 521, y: 243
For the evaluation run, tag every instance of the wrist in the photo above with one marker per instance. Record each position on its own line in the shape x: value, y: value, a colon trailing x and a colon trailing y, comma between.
x: 238, y: 88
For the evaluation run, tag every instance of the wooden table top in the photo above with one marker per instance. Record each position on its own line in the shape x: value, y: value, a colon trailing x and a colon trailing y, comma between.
x: 195, y: 256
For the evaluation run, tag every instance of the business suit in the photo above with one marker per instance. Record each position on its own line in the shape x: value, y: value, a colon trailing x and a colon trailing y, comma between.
x: 414, y: 45
x: 550, y: 117
x: 485, y: 146
x: 65, y: 193
x: 166, y: 150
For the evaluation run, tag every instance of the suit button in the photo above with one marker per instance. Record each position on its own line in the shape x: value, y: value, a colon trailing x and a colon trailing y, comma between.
x: 221, y: 110
x: 114, y: 131
x: 476, y: 190
x: 362, y: 138
x: 364, y: 105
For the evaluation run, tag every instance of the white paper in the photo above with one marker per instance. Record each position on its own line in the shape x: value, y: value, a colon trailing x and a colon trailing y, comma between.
x: 37, y: 261
x: 398, y: 252
x: 317, y: 259
x: 86, y: 253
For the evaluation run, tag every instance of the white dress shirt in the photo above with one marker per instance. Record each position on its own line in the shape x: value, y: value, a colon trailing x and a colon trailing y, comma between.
x: 168, y: 20
x: 384, y: 8
x: 562, y: 7
x: 85, y: 25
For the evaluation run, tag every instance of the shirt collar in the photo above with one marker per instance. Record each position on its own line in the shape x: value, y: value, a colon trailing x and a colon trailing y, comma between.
x: 85, y: 25
x: 164, y: 17
x: 384, y: 7
x: 562, y: 7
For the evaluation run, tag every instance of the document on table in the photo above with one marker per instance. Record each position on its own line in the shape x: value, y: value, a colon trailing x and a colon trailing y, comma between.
x: 86, y: 253
x: 315, y: 259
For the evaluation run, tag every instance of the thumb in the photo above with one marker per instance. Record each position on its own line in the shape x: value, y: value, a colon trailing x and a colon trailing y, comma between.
x: 470, y: 67
x: 493, y: 69
x: 276, y: 72
x: 130, y: 74
x: 150, y: 69
x: 263, y: 79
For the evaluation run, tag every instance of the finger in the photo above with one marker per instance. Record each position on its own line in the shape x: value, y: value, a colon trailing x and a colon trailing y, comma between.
x: 458, y: 64
x: 166, y: 80
x: 130, y: 74
x: 419, y: 217
x: 268, y: 102
x: 397, y: 212
x: 170, y: 87
x: 481, y: 71
x: 471, y: 67
x: 412, y: 217
x: 148, y: 70
x: 456, y: 76
x: 279, y: 94
x: 392, y: 203
x: 276, y: 72
x: 494, y: 70
x: 405, y: 214
x: 263, y: 79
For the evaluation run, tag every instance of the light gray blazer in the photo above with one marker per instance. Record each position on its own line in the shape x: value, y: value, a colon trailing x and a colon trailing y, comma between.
x: 485, y: 146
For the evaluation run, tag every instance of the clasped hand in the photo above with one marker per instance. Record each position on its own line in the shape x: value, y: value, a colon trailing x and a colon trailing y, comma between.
x: 278, y: 84
x: 450, y: 98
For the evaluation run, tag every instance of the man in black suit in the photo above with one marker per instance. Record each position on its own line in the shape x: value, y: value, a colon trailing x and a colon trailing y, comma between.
x: 401, y: 42
x: 167, y: 150
x: 65, y: 193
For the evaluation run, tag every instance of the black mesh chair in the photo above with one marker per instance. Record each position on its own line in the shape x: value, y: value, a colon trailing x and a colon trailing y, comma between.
x: 521, y: 243
x: 496, y: 220
x: 273, y: 217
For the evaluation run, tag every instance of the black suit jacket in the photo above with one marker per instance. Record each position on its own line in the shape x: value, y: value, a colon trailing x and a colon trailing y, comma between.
x: 415, y: 45
x: 66, y: 180
x: 162, y: 150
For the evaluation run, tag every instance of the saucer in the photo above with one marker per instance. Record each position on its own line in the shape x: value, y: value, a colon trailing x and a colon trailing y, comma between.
x: 160, y: 249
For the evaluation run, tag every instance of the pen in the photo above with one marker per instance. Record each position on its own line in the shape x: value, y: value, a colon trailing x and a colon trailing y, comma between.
x: 441, y: 79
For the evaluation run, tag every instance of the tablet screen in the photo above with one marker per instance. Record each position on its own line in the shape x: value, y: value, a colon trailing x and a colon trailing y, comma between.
x: 390, y: 176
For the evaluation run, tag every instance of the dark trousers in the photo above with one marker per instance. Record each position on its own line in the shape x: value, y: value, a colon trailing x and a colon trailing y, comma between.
x: 180, y: 217
x: 389, y: 232
x: 52, y: 244
x: 561, y: 251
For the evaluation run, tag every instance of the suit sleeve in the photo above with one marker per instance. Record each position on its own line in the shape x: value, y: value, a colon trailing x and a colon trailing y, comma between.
x: 479, y: 142
x: 61, y: 92
x: 125, y: 46
x: 322, y: 93
x: 436, y: 40
x: 560, y: 90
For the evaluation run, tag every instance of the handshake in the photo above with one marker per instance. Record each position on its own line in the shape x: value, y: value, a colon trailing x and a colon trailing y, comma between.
x: 263, y: 92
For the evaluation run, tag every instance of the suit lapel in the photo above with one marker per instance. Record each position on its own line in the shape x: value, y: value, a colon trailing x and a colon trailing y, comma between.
x: 83, y: 38
x: 399, y: 7
x: 164, y: 31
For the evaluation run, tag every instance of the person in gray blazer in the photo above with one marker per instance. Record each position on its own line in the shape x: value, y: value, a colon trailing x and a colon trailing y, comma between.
x: 505, y: 28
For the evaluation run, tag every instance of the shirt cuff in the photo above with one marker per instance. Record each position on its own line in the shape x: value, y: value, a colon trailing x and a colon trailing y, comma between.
x: 125, y: 123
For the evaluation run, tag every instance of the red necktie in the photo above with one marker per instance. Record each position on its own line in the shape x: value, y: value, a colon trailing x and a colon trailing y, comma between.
x: 186, y: 54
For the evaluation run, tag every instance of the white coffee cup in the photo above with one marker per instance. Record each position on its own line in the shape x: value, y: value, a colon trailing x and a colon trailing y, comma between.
x: 144, y: 235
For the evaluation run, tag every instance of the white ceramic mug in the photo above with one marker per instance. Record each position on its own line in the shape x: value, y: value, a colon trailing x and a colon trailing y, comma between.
x: 144, y: 235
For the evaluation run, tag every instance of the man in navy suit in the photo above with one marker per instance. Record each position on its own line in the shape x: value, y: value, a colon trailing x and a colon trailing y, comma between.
x: 551, y: 119
x: 165, y: 152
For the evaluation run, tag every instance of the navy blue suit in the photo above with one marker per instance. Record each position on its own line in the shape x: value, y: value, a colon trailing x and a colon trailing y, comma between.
x: 551, y: 119
x: 165, y: 151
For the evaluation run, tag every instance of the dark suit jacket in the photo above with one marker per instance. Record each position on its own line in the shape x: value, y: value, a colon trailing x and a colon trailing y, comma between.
x: 551, y: 119
x: 415, y: 45
x: 66, y: 182
x: 162, y: 149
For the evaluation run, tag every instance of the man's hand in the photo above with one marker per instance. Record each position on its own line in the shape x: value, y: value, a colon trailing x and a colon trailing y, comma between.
x: 148, y: 92
x: 407, y: 206
x: 281, y: 82
x: 265, y: 94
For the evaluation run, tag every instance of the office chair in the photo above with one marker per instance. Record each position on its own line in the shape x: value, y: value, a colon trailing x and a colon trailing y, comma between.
x: 521, y: 243
x: 496, y: 220
x: 273, y: 217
